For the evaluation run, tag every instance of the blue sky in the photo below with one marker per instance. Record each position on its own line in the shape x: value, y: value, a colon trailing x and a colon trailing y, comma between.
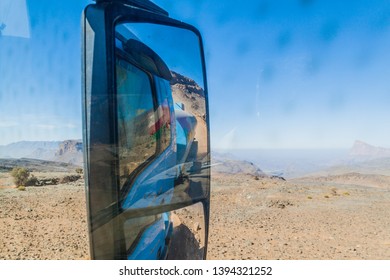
x: 295, y: 74
x: 40, y: 71
x: 281, y: 74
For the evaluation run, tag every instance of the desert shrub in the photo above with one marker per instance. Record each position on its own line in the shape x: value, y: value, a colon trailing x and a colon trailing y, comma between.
x: 69, y: 178
x: 20, y: 176
x: 32, y: 181
x: 21, y: 188
x: 79, y: 170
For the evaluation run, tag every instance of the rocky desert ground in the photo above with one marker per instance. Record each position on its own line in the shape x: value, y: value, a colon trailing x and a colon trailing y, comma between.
x: 310, y: 218
x: 47, y: 222
x: 253, y: 217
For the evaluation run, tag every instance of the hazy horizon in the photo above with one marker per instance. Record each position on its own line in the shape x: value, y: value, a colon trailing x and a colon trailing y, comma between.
x: 293, y: 163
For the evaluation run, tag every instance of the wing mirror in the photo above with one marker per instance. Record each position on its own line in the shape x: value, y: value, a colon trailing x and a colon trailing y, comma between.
x: 146, y: 133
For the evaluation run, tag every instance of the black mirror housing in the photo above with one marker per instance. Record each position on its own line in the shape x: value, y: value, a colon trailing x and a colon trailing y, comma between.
x: 145, y: 158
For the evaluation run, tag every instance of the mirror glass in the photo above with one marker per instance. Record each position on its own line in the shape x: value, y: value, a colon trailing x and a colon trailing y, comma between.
x: 162, y: 141
x: 174, y: 235
x: 161, y: 116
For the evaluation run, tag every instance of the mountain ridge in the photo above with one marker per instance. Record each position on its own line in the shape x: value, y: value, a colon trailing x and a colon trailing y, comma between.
x: 362, y: 149
x: 67, y: 151
x: 225, y: 163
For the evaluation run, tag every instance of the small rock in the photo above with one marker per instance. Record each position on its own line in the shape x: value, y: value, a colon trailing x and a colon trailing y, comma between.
x: 196, y: 226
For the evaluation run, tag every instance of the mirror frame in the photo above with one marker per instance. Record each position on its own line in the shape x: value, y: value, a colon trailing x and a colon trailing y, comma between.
x: 99, y: 131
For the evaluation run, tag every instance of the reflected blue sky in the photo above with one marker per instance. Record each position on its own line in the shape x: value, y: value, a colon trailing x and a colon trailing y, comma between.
x: 281, y: 74
x: 186, y: 59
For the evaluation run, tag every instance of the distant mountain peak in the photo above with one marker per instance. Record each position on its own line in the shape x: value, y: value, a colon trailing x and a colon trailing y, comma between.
x: 70, y: 151
x: 363, y: 149
x: 67, y: 151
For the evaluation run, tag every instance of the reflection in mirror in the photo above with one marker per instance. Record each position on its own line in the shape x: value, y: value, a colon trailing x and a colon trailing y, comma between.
x: 178, y: 234
x: 135, y: 114
x: 162, y: 159
x: 162, y: 138
x: 189, y: 234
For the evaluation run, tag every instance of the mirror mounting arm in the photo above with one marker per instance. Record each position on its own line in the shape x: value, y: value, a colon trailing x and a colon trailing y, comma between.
x: 142, y: 4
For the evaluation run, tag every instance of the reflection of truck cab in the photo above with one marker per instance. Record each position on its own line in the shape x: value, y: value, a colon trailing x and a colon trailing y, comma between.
x: 145, y: 134
x: 155, y: 139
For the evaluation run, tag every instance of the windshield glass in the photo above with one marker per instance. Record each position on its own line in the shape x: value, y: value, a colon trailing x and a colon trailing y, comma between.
x: 41, y: 159
x: 40, y: 69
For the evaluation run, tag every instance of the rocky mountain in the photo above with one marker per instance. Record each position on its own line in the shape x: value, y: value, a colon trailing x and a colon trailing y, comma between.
x: 68, y: 151
x: 44, y: 150
x: 362, y: 149
x: 362, y: 158
x: 224, y: 163
x: 187, y: 92
x: 186, y: 84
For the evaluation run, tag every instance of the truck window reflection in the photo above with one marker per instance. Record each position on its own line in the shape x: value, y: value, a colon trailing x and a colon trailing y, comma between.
x: 136, y: 118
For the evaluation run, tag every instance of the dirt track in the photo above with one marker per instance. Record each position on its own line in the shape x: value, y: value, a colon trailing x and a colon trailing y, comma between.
x: 251, y: 219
